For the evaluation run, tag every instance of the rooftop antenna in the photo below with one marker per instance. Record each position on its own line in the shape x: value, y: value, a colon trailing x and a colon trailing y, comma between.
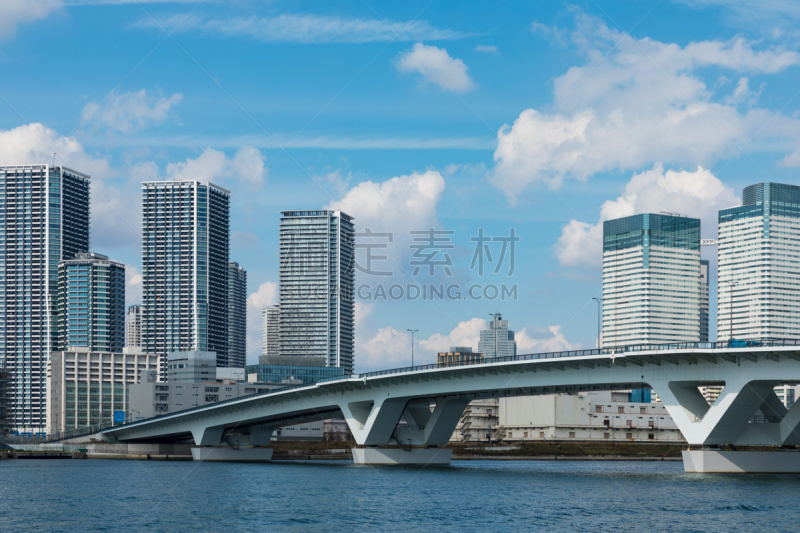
x: 54, y: 159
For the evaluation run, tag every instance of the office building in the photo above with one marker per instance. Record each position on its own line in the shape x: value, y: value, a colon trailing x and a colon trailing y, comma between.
x: 317, y: 283
x: 651, y: 280
x: 758, y: 294
x: 191, y: 366
x: 133, y: 327
x: 498, y: 340
x: 86, y: 387
x: 185, y: 247
x: 459, y: 355
x: 91, y: 303
x: 44, y: 219
x: 270, y: 330
x: 237, y: 316
x: 150, y: 397
x: 704, y: 313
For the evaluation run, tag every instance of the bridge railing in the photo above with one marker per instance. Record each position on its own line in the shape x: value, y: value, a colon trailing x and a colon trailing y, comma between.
x: 58, y: 436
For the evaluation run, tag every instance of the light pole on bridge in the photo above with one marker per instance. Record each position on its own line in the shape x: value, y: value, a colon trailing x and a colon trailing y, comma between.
x: 412, y: 331
x: 599, y: 314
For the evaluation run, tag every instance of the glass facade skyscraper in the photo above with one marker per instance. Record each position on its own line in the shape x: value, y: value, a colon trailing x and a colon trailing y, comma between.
x: 317, y: 285
x: 44, y: 219
x: 185, y: 248
x: 91, y: 303
x: 237, y: 315
x: 651, y: 280
x: 759, y: 265
x: 498, y: 340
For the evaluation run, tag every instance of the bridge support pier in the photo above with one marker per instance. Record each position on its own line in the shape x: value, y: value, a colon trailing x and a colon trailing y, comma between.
x: 400, y: 456
x: 228, y: 454
x: 710, y: 461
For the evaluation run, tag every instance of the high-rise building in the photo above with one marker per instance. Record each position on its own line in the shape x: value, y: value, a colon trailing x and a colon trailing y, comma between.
x: 270, y: 330
x: 759, y: 265
x: 44, y: 218
x: 133, y: 327
x: 87, y: 387
x: 317, y: 285
x: 651, y: 280
x: 704, y: 284
x: 91, y: 303
x: 185, y: 247
x: 498, y: 340
x: 237, y: 316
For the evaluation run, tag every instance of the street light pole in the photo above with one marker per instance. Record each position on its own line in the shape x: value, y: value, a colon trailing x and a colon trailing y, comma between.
x: 599, y: 314
x: 412, y: 331
x: 731, y: 284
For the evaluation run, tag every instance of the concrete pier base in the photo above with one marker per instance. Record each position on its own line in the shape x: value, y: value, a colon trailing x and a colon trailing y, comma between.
x: 740, y: 462
x: 227, y: 454
x: 399, y: 456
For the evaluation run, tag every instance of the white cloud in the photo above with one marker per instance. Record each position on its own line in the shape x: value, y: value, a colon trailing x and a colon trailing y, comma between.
x: 15, y: 12
x: 466, y: 333
x: 266, y: 295
x: 696, y: 193
x: 436, y: 66
x: 390, y: 348
x: 129, y: 112
x: 541, y: 340
x: 133, y: 286
x: 246, y: 167
x: 637, y: 101
x: 296, y: 28
x: 35, y: 144
x: 487, y: 49
x: 398, y: 204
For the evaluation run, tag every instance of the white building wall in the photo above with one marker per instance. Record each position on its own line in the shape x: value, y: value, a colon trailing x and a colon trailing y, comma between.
x: 584, y: 416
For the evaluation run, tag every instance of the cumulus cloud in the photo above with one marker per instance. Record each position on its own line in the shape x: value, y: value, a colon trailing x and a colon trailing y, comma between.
x: 540, y: 340
x: 390, y: 348
x: 35, y: 144
x: 15, y: 12
x: 697, y: 193
x: 466, y: 333
x: 265, y: 296
x: 637, y: 101
x: 398, y: 204
x: 129, y: 112
x: 247, y: 167
x: 436, y: 66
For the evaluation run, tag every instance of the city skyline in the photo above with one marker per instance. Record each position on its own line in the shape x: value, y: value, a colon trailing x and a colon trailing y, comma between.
x: 548, y: 119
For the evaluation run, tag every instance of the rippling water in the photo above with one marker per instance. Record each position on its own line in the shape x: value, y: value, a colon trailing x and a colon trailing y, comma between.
x: 72, y: 495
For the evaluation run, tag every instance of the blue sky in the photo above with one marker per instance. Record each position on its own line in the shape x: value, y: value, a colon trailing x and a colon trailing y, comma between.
x: 539, y: 116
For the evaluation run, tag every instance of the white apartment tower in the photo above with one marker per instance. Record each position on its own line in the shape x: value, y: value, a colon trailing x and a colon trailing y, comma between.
x: 317, y: 285
x: 185, y: 248
x: 270, y: 330
x: 133, y: 327
x: 44, y: 219
x: 652, y: 286
x: 759, y: 265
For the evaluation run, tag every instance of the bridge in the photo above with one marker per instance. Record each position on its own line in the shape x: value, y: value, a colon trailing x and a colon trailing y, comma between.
x: 406, y: 415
